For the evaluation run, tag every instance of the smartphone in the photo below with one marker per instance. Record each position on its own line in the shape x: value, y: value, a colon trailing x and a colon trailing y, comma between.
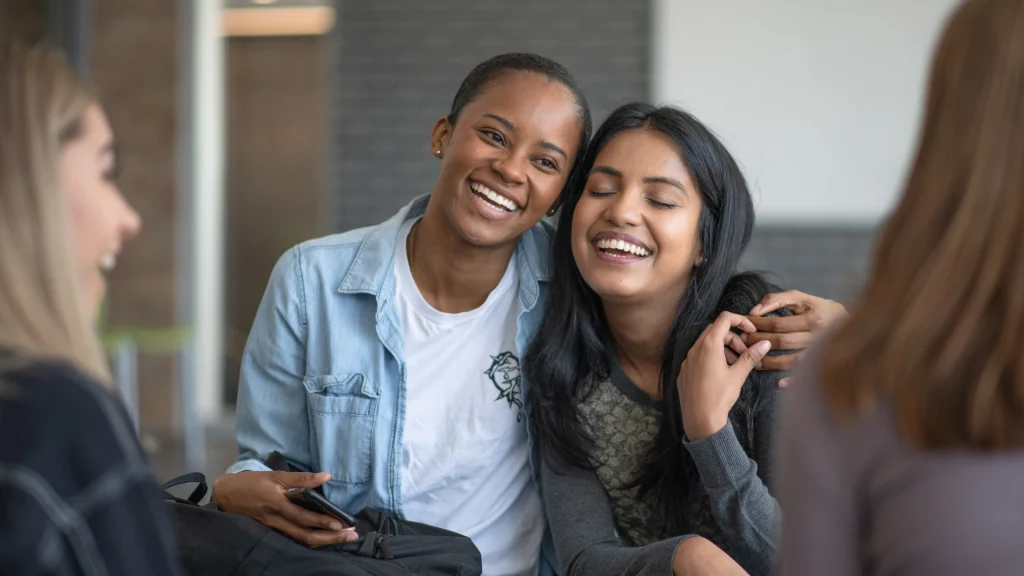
x: 310, y: 499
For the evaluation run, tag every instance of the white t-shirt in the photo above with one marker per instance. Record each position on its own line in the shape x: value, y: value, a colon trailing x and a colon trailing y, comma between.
x: 465, y: 457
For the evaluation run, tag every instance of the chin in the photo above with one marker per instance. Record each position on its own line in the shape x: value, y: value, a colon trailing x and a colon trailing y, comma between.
x: 481, y: 232
x: 97, y: 292
x: 616, y: 290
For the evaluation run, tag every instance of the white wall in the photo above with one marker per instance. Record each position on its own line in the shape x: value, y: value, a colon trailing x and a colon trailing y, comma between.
x: 819, y: 100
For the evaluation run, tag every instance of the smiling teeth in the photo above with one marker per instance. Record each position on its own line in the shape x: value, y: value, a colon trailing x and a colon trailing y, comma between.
x: 494, y: 196
x: 108, y: 263
x: 622, y: 246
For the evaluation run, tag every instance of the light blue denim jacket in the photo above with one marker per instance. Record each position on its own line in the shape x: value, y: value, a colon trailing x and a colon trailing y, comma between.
x: 323, y: 375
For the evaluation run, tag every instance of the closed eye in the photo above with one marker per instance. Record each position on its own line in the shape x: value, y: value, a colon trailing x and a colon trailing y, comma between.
x: 661, y: 205
x: 600, y: 194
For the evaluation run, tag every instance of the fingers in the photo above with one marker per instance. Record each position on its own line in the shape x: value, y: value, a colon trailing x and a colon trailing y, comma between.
x: 311, y: 538
x: 730, y: 357
x: 795, y: 300
x: 751, y: 358
x: 721, y: 330
x: 734, y: 343
x: 308, y: 519
x: 781, y: 341
x: 782, y: 362
x: 301, y: 479
x: 808, y: 322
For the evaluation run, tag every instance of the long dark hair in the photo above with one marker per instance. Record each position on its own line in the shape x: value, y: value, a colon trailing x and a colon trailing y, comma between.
x: 573, y: 348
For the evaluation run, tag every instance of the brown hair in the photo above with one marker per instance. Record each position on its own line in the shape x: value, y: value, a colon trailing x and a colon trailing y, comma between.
x: 938, y: 332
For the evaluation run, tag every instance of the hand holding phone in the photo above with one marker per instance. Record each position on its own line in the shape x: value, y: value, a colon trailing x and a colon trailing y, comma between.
x: 274, y: 500
x: 312, y: 500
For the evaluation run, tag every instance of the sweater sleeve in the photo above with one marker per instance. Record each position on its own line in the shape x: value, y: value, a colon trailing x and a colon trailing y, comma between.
x: 740, y: 502
x: 582, y: 524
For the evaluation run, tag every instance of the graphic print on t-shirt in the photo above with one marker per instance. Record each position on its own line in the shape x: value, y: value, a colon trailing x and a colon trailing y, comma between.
x: 504, y: 374
x: 465, y: 463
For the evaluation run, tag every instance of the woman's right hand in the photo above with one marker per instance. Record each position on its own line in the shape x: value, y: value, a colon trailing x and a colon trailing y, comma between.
x: 698, y: 556
x: 263, y: 496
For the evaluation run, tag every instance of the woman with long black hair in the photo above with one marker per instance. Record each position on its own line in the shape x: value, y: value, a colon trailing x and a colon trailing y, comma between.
x: 654, y: 429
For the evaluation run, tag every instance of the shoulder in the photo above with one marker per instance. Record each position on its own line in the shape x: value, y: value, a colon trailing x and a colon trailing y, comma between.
x: 742, y: 292
x: 60, y: 425
x: 59, y: 392
x: 337, y: 251
x: 536, y: 244
x: 325, y: 263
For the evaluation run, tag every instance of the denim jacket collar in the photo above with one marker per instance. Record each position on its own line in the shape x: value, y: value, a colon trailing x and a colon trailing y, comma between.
x: 371, y: 269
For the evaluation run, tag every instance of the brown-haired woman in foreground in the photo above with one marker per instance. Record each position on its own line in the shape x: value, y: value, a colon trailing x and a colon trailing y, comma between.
x: 76, y: 493
x: 903, y: 445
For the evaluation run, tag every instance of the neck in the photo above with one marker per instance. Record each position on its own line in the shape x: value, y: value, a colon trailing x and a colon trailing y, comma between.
x: 452, y: 275
x: 640, y: 332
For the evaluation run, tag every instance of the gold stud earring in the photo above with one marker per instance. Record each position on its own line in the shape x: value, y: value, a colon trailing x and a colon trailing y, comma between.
x: 438, y: 153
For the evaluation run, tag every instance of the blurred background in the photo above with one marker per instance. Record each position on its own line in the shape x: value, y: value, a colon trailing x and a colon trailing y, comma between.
x: 247, y: 126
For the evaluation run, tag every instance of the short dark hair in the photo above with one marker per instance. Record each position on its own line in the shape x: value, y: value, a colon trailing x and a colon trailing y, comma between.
x: 488, y: 71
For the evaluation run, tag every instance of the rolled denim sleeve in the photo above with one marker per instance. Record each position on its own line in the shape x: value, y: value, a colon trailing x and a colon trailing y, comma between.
x: 271, y: 411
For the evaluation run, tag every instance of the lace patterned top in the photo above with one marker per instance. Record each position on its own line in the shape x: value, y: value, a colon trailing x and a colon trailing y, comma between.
x: 623, y: 421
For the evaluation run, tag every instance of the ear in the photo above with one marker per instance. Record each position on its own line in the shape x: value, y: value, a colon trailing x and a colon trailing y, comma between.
x: 698, y: 260
x: 439, y: 136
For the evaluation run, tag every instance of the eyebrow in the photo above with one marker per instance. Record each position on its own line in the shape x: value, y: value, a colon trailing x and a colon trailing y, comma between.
x: 664, y: 180
x: 502, y: 121
x: 512, y: 128
x: 648, y: 180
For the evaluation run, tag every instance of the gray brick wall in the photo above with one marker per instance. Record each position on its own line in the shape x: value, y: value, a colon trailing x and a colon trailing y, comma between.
x: 825, y: 261
x: 397, y: 64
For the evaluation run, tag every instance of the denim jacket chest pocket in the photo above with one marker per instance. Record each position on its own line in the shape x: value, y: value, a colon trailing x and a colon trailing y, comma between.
x: 343, y: 411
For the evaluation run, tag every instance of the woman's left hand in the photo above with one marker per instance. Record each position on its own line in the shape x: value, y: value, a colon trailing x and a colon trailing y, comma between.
x: 708, y: 385
x: 811, y: 315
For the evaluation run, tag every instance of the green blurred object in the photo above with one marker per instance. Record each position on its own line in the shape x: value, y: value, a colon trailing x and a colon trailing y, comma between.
x: 147, y: 339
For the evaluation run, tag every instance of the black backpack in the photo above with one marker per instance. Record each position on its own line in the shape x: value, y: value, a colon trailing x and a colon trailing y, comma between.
x: 215, y: 543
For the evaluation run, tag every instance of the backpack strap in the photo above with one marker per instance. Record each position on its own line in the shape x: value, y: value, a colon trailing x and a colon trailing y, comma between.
x: 192, y: 477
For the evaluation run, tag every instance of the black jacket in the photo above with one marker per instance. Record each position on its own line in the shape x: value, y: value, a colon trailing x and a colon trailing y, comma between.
x: 77, y: 494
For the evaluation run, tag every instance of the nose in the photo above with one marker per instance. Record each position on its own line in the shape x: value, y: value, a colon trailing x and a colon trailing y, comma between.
x: 511, y: 168
x: 625, y: 209
x: 131, y: 222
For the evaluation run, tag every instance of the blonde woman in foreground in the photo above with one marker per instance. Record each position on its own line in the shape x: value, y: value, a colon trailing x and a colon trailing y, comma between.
x: 76, y: 493
x: 903, y: 442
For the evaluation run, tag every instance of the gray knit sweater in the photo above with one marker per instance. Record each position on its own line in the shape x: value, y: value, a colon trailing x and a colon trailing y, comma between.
x: 601, y: 526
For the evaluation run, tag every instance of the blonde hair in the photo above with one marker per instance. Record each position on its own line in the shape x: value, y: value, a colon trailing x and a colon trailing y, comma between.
x: 939, y: 330
x: 43, y: 310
